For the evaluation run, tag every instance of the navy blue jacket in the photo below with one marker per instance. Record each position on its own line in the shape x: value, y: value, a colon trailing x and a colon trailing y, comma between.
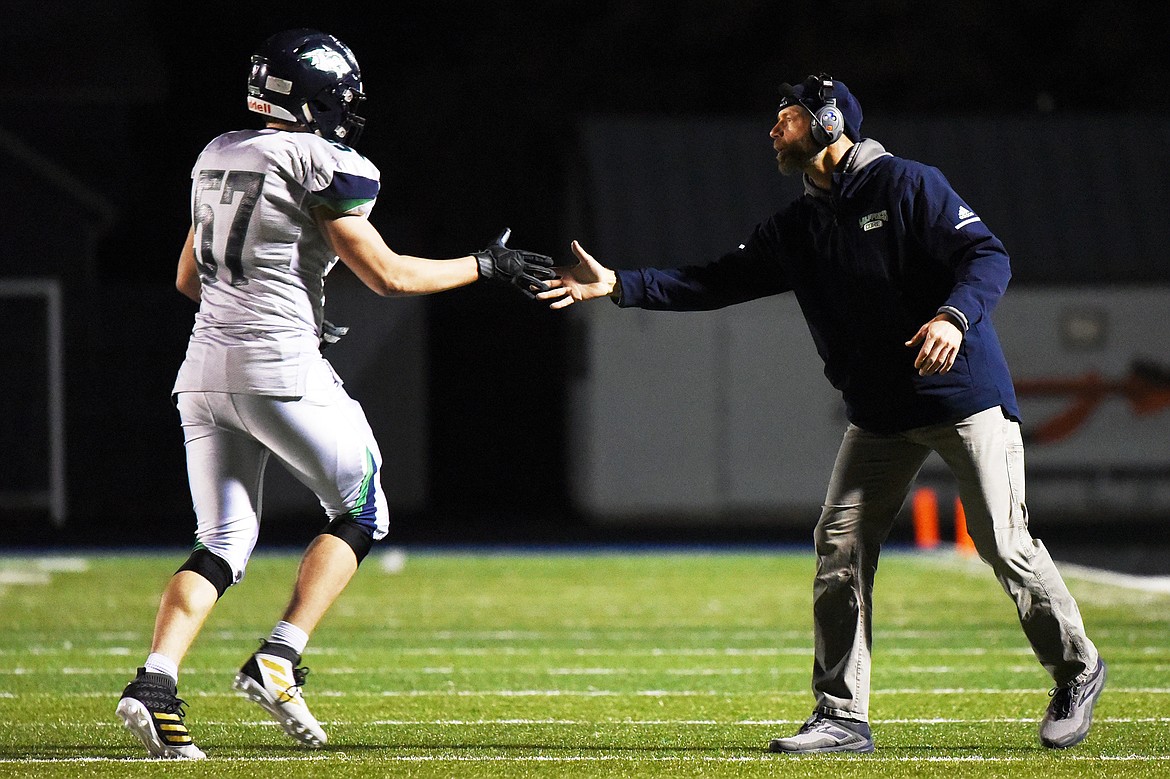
x: 870, y: 262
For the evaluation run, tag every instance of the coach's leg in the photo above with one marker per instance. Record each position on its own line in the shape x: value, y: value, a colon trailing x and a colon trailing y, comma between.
x: 870, y: 480
x: 986, y: 454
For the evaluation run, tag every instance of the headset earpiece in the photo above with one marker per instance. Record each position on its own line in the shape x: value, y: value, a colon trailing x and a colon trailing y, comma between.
x: 828, y: 124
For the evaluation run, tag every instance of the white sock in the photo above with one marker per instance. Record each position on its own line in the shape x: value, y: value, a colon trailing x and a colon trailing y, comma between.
x: 161, y: 664
x: 291, y: 635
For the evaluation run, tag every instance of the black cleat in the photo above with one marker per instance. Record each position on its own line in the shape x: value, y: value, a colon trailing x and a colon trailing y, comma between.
x: 151, y: 710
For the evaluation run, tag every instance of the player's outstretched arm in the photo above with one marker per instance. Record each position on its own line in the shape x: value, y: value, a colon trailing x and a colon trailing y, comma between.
x: 586, y: 280
x: 385, y: 271
x: 388, y: 273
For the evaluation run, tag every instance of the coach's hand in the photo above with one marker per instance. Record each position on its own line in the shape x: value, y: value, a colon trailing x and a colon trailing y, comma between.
x: 527, y: 271
x: 586, y: 280
x: 940, y: 339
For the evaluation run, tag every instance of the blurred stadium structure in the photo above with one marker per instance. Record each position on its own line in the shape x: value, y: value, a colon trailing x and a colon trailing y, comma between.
x: 679, y: 423
x: 721, y: 414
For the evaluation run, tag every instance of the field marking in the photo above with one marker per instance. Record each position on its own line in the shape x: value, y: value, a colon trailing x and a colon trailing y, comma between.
x: 36, y: 571
x: 10, y: 577
x: 762, y: 757
x: 1155, y: 584
x: 450, y: 670
x: 1008, y: 633
x: 36, y: 694
x: 719, y: 723
x: 1149, y: 584
x: 522, y: 722
x: 539, y: 670
x: 434, y: 651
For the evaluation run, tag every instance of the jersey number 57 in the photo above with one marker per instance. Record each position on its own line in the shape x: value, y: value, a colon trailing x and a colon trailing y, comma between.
x: 238, y: 214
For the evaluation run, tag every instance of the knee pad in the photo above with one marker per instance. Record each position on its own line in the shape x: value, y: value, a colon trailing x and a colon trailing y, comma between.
x: 211, y: 567
x: 359, y: 536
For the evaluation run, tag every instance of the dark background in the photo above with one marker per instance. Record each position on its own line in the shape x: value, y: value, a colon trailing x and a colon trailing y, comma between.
x: 472, y: 119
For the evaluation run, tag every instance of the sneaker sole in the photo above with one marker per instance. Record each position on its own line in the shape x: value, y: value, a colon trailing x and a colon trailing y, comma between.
x: 864, y: 749
x: 136, y: 718
x: 255, y: 692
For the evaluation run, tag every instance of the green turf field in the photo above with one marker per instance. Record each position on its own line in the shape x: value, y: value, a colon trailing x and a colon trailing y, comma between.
x: 574, y: 664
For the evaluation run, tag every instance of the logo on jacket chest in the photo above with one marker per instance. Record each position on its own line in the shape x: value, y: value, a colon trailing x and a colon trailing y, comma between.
x: 873, y: 221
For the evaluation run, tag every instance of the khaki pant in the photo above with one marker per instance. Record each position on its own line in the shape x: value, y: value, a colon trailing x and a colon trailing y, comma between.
x: 870, y: 480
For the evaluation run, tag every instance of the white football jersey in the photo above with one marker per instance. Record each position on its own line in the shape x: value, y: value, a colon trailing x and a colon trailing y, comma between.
x: 262, y: 258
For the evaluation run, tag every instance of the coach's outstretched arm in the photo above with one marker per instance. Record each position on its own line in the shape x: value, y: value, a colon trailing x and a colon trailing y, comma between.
x: 586, y: 280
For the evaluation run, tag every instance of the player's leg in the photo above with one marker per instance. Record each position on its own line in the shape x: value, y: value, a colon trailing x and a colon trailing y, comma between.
x: 870, y: 481
x: 225, y: 471
x: 986, y: 454
x: 325, y: 570
x: 186, y: 602
x: 150, y: 707
x: 272, y: 677
x: 324, y: 440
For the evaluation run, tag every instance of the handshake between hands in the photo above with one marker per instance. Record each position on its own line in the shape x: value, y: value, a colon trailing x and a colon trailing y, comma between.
x: 538, y: 277
x: 938, y: 341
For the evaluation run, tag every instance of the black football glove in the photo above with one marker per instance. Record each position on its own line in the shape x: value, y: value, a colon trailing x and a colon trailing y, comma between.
x: 524, y: 270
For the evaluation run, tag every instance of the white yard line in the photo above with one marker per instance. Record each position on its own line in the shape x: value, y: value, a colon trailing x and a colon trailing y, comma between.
x: 534, y: 693
x: 1155, y: 584
x: 521, y: 722
x: 763, y: 757
x: 506, y: 651
x: 1147, y: 584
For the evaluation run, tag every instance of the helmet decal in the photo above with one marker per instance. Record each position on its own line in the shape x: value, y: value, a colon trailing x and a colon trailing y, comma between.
x: 278, y: 85
x: 328, y: 60
x: 259, y: 106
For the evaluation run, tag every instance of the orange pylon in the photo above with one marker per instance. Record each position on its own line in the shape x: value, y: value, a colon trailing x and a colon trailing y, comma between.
x: 963, y: 542
x: 924, y: 509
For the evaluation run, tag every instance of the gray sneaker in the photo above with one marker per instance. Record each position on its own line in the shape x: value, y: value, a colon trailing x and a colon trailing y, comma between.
x: 1070, y: 712
x: 821, y: 733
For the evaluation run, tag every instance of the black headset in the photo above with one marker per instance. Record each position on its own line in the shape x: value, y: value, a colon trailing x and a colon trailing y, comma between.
x: 828, y: 124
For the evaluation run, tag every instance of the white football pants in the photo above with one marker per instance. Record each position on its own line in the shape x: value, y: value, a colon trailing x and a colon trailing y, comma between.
x: 323, y: 439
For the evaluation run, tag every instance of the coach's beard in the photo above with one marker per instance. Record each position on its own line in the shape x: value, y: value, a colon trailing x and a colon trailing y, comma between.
x: 794, y: 158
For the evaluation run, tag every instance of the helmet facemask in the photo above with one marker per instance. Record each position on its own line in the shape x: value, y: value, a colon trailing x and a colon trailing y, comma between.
x: 334, y: 114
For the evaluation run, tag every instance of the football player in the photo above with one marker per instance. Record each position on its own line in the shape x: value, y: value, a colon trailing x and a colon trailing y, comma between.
x: 272, y: 210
